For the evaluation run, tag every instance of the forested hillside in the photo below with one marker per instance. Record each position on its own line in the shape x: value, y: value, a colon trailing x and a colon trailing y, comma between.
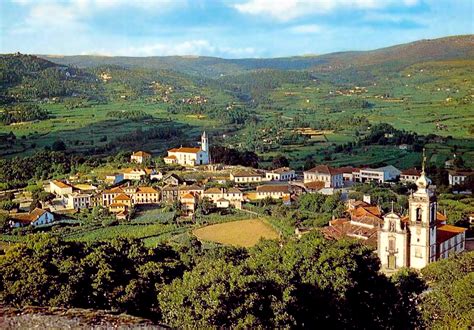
x: 94, y: 103
x: 395, y: 57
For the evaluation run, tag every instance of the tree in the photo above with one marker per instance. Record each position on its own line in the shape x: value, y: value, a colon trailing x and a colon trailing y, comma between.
x: 449, y: 302
x: 58, y: 145
x: 307, y: 283
x: 280, y: 161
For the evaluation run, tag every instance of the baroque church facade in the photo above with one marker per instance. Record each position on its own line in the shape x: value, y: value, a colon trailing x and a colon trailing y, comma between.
x: 420, y: 237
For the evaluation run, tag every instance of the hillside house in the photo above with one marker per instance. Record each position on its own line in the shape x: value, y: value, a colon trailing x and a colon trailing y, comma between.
x: 458, y: 177
x: 60, y: 188
x: 331, y: 177
x: 349, y: 173
x: 136, y: 174
x: 246, y: 177
x: 222, y: 196
x: 410, y: 175
x: 173, y: 179
x: 34, y: 218
x: 380, y: 175
x: 280, y: 174
x: 140, y: 157
x: 188, y: 203
x: 78, y: 201
x: 273, y: 191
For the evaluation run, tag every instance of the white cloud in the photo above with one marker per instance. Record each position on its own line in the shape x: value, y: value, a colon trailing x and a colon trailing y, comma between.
x: 305, y: 29
x: 72, y: 14
x: 188, y: 47
x: 285, y: 10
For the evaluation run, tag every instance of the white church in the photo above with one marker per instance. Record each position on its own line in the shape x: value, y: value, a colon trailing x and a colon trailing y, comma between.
x: 422, y: 236
x: 190, y: 156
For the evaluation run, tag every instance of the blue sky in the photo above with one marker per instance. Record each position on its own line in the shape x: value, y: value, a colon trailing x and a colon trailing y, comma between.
x: 224, y: 28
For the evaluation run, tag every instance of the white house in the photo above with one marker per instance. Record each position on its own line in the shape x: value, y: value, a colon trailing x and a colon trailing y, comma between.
x: 275, y: 191
x: 136, y: 173
x: 59, y: 188
x: 331, y: 177
x: 458, y: 177
x: 280, y: 174
x: 410, y: 175
x: 246, y: 177
x: 140, y: 157
x: 380, y: 175
x: 190, y: 156
x: 78, y: 201
x: 36, y: 217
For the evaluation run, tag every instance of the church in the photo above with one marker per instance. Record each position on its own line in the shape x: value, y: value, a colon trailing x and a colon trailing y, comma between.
x: 420, y: 237
x: 190, y: 156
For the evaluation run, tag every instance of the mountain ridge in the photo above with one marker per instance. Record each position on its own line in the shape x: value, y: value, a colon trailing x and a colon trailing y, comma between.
x: 452, y: 47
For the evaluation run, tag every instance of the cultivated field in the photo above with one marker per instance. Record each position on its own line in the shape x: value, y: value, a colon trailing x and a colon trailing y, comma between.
x: 245, y: 233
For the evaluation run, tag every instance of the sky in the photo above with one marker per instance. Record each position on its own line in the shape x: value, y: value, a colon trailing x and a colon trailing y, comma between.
x: 224, y: 28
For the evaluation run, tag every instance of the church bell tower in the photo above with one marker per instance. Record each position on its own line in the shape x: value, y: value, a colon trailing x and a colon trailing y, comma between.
x: 204, y: 142
x: 422, y: 208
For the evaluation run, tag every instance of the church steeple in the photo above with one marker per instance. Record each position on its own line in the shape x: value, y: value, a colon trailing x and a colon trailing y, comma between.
x: 204, y: 142
x: 423, y: 181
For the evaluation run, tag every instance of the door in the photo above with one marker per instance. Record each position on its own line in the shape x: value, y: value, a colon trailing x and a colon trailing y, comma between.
x: 391, y: 262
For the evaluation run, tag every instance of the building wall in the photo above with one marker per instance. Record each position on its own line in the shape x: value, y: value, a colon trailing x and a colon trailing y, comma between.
x: 284, y: 176
x: 272, y: 194
x: 191, y: 159
x: 44, y: 219
x: 246, y: 179
x: 79, y: 202
x: 54, y: 189
x: 456, y: 179
x: 455, y: 244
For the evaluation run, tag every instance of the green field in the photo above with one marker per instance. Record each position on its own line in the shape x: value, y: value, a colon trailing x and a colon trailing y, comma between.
x: 254, y: 109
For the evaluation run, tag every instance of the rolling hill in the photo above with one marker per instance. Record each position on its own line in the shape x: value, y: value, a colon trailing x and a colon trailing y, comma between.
x: 395, y: 57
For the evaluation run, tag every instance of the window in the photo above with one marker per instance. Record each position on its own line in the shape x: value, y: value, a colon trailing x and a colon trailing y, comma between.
x: 418, y: 214
x: 391, y: 244
x: 418, y: 252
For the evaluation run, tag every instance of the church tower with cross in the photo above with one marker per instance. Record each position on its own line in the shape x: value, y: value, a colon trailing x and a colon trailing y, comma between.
x: 422, y: 210
x: 410, y: 241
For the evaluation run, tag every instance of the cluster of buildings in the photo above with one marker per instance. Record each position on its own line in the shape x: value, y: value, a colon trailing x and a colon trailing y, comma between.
x: 338, y: 177
x: 414, y: 239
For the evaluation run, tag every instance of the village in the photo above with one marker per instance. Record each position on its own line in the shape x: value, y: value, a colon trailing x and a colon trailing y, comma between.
x: 224, y: 188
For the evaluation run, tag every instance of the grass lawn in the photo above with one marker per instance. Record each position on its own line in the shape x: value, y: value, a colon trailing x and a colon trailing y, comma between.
x: 245, y: 233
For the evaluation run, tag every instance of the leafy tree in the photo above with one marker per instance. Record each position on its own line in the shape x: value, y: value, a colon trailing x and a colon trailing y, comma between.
x: 280, y: 161
x: 449, y: 302
x: 58, y: 145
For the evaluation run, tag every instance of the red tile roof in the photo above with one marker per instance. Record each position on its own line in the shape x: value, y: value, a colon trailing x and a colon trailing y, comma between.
x: 122, y: 197
x: 411, y: 171
x: 446, y: 232
x: 324, y: 169
x: 61, y: 184
x: 141, y: 154
x: 273, y: 188
x: 188, y: 150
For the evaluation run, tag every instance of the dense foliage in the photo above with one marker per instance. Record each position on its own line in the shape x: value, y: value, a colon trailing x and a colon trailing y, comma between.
x: 21, y: 113
x: 230, y: 156
x: 302, y: 284
x: 40, y: 166
x: 26, y: 77
x: 449, y: 303
x: 135, y: 115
